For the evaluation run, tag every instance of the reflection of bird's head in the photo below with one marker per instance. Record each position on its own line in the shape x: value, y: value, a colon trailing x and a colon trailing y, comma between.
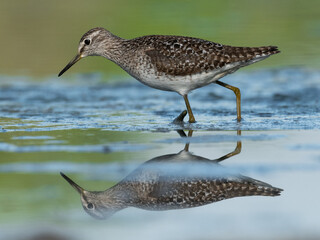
x: 96, y: 204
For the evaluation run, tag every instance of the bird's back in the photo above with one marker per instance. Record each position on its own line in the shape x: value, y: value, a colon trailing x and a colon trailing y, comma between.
x: 175, y: 182
x: 181, y: 56
x: 189, y: 193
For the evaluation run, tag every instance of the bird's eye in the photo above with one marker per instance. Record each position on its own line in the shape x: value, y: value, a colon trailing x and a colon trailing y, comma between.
x: 87, y: 41
x: 90, y: 206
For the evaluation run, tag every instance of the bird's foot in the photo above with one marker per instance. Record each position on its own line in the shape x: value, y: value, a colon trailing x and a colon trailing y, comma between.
x: 179, y: 119
x: 192, y: 120
x: 239, y: 120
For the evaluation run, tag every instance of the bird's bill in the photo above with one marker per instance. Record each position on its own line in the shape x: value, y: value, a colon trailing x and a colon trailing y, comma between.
x: 69, y: 65
x: 72, y: 183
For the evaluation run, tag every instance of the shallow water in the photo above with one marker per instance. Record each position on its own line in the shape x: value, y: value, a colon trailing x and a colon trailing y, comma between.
x: 274, y: 99
x: 98, y: 133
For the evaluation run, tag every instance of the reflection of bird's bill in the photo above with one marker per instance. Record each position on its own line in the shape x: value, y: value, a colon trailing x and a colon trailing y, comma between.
x: 69, y: 65
x: 72, y: 183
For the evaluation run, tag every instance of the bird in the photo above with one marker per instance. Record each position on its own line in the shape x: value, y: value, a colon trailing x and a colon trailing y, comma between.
x: 172, y: 63
x: 173, y: 181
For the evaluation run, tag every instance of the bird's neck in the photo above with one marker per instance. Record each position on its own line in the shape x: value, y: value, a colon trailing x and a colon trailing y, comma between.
x: 119, y: 196
x: 113, y: 48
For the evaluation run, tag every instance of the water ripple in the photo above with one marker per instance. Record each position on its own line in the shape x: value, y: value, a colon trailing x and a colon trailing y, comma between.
x: 271, y: 99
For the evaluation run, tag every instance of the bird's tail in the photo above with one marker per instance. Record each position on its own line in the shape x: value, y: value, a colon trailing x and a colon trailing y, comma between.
x: 265, y: 51
x: 251, y: 187
x: 250, y: 54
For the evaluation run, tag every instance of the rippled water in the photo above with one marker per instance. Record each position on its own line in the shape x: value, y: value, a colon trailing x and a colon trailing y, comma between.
x: 98, y: 133
x: 276, y: 99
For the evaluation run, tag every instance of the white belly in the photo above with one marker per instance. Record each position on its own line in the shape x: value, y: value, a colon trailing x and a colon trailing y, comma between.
x: 180, y: 84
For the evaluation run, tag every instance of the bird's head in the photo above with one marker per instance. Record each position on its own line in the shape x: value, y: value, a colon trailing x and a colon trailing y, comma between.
x: 92, y: 43
x: 95, y: 204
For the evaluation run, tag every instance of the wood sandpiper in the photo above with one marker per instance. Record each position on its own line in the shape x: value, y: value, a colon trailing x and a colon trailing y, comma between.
x: 173, y: 181
x: 172, y: 63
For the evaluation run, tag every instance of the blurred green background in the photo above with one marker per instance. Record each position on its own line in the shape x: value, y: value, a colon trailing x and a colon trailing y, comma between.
x: 39, y: 37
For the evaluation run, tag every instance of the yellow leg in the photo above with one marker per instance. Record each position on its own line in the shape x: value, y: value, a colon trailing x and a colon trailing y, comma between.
x: 236, y: 151
x: 191, y: 117
x: 186, y: 147
x: 238, y: 97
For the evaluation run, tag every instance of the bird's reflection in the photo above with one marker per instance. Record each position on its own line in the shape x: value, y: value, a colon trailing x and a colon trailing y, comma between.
x: 173, y: 181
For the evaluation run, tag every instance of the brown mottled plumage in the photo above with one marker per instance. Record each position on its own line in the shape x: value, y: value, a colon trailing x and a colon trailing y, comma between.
x: 180, y: 56
x: 173, y: 181
x: 171, y: 63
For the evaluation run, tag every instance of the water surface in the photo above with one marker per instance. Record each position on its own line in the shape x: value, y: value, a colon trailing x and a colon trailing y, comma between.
x: 98, y: 133
x: 36, y: 195
x: 271, y: 99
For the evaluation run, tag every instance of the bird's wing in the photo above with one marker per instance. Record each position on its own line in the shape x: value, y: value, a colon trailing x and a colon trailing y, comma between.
x: 202, y: 191
x: 181, y: 56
